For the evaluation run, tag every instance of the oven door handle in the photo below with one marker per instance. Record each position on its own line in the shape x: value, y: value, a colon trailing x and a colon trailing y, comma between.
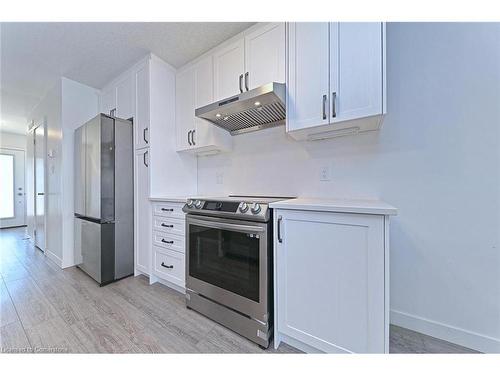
x: 228, y: 226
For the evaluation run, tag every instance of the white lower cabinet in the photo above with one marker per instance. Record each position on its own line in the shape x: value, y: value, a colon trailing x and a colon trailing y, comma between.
x: 331, y: 282
x: 169, y: 265
x: 168, y: 240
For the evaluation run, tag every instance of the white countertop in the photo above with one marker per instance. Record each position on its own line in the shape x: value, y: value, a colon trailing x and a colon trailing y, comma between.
x: 358, y: 206
x: 169, y: 199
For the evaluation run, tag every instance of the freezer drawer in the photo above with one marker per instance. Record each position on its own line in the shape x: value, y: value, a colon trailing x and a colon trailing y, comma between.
x: 96, y: 243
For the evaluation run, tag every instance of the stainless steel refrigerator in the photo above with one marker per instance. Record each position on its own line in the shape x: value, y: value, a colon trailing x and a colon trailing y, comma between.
x: 104, y: 198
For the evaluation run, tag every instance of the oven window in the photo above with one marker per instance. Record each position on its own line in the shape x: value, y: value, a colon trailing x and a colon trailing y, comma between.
x: 224, y: 258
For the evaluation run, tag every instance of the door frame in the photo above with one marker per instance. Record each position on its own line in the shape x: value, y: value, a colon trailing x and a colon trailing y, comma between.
x: 45, y: 183
x: 8, y: 148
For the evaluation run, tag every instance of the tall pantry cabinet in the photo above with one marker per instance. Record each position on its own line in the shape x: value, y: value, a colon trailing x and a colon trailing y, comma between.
x: 146, y: 93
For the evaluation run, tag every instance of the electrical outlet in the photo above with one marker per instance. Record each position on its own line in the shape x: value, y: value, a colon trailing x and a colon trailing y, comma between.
x: 324, y: 173
x: 219, y: 178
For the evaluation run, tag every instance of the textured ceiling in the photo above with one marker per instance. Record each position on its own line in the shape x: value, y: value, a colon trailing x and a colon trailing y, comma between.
x: 35, y: 55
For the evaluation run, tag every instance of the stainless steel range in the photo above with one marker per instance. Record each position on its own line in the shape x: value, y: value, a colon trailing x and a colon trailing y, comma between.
x: 230, y: 261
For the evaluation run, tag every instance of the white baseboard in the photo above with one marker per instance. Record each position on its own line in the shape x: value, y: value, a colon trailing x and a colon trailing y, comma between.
x: 54, y: 258
x: 456, y: 335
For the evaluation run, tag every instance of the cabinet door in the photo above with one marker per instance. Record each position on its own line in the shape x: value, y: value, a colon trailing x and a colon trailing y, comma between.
x: 125, y: 94
x: 308, y: 75
x: 141, y: 119
x: 142, y: 212
x: 330, y: 280
x: 229, y: 64
x: 204, y: 94
x: 355, y: 70
x: 265, y: 55
x: 184, y: 107
x: 108, y: 100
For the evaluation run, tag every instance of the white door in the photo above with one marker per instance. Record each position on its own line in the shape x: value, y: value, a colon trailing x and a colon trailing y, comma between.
x: 142, y: 213
x: 330, y: 280
x: 229, y: 68
x: 265, y: 55
x: 125, y: 97
x: 40, y: 188
x: 12, y: 188
x: 185, y: 107
x: 355, y: 70
x: 141, y: 120
x: 308, y: 76
x: 108, y: 101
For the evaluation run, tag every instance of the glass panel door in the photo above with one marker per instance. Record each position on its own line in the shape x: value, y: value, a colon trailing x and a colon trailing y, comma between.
x: 12, y: 198
x: 7, y: 186
x: 225, y: 258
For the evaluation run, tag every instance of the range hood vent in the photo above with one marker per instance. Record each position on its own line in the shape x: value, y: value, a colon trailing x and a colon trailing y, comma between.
x: 260, y: 108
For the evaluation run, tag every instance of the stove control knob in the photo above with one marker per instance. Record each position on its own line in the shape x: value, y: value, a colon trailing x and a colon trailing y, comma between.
x: 255, y: 208
x: 198, y: 204
x: 190, y: 203
x: 243, y: 207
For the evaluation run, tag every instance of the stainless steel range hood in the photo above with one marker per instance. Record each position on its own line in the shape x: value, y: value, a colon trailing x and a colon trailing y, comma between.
x: 260, y: 108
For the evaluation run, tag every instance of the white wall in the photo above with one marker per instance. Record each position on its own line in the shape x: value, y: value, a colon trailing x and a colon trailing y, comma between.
x: 12, y: 140
x: 48, y: 113
x: 80, y: 103
x: 68, y: 105
x: 436, y: 158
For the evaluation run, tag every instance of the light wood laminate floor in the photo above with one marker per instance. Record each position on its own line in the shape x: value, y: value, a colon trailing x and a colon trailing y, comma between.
x: 47, y: 309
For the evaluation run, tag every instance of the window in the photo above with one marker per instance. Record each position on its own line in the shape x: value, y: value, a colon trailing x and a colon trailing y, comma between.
x: 6, y: 186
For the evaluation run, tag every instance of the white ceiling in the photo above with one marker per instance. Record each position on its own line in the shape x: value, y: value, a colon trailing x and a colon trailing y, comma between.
x: 35, y: 55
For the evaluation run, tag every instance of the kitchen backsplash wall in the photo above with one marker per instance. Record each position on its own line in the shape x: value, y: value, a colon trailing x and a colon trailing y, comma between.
x: 436, y: 158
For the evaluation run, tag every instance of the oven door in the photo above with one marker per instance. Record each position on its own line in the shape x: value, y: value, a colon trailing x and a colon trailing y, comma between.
x: 227, y: 262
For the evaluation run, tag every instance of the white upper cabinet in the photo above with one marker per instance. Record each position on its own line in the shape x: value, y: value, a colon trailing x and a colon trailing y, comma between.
x: 308, y: 64
x: 265, y: 55
x: 125, y: 95
x: 255, y: 59
x: 108, y: 101
x: 185, y: 107
x: 229, y: 68
x: 356, y: 69
x: 142, y: 107
x: 335, y: 79
x: 194, y: 89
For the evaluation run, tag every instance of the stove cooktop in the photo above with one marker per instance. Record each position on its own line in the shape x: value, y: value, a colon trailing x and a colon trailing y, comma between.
x: 253, y: 208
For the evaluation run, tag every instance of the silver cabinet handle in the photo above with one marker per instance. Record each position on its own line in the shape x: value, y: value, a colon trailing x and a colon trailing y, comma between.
x: 241, y: 84
x: 334, y: 99
x: 246, y: 81
x: 189, y: 137
x: 324, y: 107
x: 192, y: 137
x: 280, y: 219
x: 144, y: 134
x: 144, y: 159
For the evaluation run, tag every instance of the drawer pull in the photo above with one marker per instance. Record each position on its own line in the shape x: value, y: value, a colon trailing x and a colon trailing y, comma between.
x: 165, y: 241
x: 167, y: 209
x: 167, y: 225
x: 164, y: 265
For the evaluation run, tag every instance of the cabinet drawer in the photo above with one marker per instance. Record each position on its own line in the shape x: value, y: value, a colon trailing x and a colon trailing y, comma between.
x: 173, y: 210
x: 169, y: 265
x: 168, y: 241
x: 169, y: 225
